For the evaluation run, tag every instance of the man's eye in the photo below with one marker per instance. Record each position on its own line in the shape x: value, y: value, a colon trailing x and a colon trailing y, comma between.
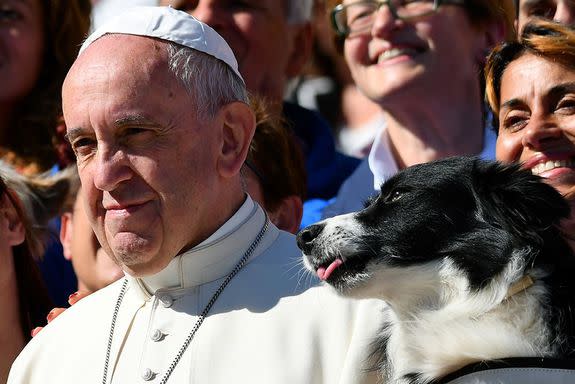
x: 82, y: 144
x: 543, y: 11
x: 9, y: 14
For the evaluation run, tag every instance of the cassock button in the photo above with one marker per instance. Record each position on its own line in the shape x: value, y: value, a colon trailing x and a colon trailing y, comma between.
x: 148, y: 375
x: 157, y: 335
x: 166, y: 300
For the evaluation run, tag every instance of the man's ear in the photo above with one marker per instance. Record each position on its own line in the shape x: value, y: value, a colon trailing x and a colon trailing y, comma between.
x: 237, y: 131
x: 288, y: 215
x: 15, y: 231
x: 300, y: 50
x: 66, y: 229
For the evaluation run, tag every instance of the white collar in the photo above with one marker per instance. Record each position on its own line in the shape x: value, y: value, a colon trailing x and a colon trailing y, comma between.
x: 380, y: 159
x: 213, y: 258
x: 383, y: 165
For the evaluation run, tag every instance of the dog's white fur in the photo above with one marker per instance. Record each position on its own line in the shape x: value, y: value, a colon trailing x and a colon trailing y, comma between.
x: 434, y: 316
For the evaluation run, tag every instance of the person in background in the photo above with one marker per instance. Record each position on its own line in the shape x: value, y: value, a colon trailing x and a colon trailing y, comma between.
x: 26, y: 204
x: 562, y: 11
x: 531, y: 89
x: 274, y: 171
x: 420, y: 61
x: 40, y: 40
x: 326, y: 85
x: 206, y: 271
x: 272, y: 42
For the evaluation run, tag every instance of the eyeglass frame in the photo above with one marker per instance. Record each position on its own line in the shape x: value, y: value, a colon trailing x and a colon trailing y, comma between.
x: 340, y: 7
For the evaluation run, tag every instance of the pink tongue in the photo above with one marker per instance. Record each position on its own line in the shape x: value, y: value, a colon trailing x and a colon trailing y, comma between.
x: 323, y: 273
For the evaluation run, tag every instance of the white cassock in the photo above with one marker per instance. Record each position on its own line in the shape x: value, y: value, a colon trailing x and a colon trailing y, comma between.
x: 267, y: 326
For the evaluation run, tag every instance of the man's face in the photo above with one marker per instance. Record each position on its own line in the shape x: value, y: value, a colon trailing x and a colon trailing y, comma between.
x: 259, y: 35
x: 147, y: 164
x: 559, y: 10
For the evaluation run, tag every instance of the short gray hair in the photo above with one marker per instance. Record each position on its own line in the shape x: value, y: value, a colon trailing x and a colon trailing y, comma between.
x: 299, y: 11
x: 210, y: 83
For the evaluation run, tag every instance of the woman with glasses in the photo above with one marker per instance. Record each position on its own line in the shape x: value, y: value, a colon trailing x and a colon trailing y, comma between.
x: 26, y: 204
x: 420, y: 61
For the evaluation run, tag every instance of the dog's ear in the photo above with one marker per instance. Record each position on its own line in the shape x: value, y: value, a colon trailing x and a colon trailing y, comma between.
x: 516, y: 199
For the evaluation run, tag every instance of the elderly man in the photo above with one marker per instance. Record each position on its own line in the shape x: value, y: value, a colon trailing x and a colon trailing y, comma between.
x: 562, y: 11
x: 272, y: 42
x: 157, y: 116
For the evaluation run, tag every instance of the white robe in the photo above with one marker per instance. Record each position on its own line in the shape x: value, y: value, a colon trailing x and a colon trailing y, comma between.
x: 267, y: 326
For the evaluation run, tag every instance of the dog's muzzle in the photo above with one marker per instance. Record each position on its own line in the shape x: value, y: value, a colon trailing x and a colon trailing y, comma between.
x: 307, y: 236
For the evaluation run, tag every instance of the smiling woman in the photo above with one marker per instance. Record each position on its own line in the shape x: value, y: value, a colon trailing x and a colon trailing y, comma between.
x: 531, y: 89
x: 39, y: 40
x: 419, y: 61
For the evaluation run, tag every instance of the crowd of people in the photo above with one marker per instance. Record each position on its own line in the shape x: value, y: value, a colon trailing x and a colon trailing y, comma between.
x: 165, y: 154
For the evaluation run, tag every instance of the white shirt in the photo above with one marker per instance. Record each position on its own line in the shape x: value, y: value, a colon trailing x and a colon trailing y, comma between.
x: 267, y: 326
x: 379, y: 166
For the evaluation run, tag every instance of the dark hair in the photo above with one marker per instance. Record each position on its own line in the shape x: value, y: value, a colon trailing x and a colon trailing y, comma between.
x: 33, y: 299
x: 542, y: 38
x: 275, y: 157
x: 32, y: 138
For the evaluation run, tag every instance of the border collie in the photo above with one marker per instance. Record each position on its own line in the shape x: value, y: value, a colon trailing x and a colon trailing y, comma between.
x: 470, y: 259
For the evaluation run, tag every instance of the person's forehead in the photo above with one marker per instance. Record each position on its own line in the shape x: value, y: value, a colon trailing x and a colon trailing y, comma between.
x: 282, y: 5
x: 139, y: 52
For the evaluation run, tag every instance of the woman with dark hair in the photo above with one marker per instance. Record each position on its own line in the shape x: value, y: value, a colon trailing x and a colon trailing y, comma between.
x: 531, y: 89
x: 40, y: 40
x: 26, y: 204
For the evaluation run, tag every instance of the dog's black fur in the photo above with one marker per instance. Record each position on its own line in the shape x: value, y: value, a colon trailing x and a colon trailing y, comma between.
x: 463, y: 231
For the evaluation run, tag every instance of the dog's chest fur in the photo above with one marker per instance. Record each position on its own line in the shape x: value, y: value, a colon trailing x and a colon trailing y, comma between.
x: 430, y: 346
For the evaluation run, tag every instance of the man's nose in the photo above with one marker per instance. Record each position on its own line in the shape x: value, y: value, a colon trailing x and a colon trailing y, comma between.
x: 208, y: 13
x: 565, y: 12
x: 111, y: 169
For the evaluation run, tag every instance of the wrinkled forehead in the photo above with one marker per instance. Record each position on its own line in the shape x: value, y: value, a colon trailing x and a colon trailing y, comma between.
x: 117, y: 54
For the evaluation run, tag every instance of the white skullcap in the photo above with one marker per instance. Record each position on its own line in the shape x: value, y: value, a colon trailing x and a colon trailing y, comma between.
x: 168, y: 24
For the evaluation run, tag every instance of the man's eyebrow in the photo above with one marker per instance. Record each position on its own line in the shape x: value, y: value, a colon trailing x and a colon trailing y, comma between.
x: 530, y: 3
x: 74, y: 132
x: 133, y: 120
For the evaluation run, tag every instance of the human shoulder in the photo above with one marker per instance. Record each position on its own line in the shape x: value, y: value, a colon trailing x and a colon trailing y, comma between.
x: 353, y: 193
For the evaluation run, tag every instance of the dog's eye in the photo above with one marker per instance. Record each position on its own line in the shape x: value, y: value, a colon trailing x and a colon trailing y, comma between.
x: 394, y: 196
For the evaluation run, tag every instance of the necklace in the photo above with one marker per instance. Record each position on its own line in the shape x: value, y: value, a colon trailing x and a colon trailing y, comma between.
x: 201, y: 317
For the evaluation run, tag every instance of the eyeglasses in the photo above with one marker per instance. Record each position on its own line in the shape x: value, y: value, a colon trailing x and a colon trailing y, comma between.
x: 357, y: 17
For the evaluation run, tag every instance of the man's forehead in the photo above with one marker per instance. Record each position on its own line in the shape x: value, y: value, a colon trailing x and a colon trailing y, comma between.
x: 190, y: 5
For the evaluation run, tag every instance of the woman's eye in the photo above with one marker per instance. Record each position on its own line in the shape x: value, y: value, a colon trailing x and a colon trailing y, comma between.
x: 514, y: 122
x: 566, y: 106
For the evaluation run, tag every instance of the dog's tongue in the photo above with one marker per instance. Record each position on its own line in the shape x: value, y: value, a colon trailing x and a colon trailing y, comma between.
x: 323, y: 273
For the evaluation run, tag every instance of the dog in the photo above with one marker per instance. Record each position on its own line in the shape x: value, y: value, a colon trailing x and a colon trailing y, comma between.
x: 468, y: 255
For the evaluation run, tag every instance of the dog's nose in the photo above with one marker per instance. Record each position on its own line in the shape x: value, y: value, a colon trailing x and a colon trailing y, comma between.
x: 306, y: 237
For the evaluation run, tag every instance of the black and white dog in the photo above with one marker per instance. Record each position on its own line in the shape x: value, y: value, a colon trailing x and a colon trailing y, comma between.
x: 470, y: 259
